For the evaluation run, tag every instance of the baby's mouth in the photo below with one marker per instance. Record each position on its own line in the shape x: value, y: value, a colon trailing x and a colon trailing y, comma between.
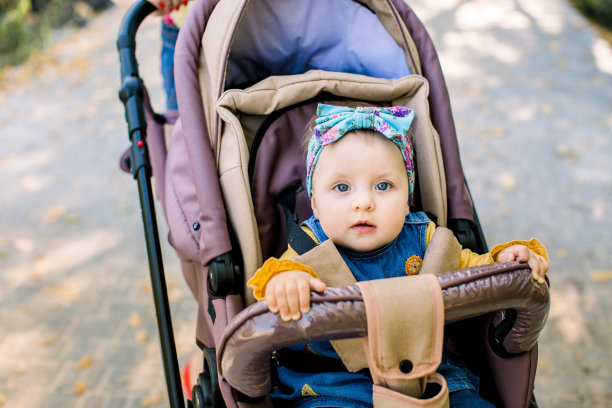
x: 363, y: 227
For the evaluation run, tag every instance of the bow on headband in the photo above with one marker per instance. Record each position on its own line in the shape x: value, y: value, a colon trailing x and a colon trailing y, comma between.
x: 333, y: 122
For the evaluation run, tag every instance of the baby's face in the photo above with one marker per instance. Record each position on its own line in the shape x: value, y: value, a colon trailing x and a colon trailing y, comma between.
x: 360, y: 191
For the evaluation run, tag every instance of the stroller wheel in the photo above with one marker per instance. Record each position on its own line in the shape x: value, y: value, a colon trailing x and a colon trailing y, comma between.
x: 206, y: 393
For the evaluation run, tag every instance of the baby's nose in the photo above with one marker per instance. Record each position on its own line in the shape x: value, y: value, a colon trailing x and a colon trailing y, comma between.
x: 363, y: 202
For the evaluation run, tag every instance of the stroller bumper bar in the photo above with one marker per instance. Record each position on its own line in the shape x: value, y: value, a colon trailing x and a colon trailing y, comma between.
x: 255, y: 333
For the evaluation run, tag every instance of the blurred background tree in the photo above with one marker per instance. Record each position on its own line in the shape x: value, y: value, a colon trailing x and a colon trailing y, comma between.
x: 24, y: 24
x: 598, y: 11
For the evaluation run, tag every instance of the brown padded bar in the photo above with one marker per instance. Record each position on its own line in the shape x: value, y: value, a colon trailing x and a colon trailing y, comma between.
x: 251, y: 337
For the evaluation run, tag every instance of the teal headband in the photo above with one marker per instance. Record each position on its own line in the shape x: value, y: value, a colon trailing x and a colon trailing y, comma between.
x: 333, y: 122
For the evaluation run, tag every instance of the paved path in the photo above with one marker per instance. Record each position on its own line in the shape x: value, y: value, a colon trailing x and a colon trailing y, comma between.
x: 530, y: 86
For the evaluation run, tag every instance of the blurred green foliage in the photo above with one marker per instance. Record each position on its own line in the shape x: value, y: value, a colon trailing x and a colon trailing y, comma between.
x: 598, y: 11
x: 24, y: 24
x: 18, y: 32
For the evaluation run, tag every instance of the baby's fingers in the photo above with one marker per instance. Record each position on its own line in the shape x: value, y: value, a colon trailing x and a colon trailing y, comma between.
x: 505, y: 257
x: 282, y: 302
x: 270, y: 295
x: 304, y: 296
x: 317, y: 285
x: 292, y: 290
x: 539, y: 267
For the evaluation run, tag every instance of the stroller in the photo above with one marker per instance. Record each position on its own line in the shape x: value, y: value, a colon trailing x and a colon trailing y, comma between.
x: 249, y: 75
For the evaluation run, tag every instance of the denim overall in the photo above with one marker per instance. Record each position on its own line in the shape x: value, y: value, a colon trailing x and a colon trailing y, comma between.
x: 312, y: 374
x: 169, y: 34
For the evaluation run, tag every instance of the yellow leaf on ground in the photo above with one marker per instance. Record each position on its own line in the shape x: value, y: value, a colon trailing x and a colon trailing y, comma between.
x: 79, y: 387
x: 84, y: 363
x: 601, y: 276
x: 54, y: 213
x: 48, y: 341
x: 67, y: 292
x: 135, y: 320
x: 152, y: 400
x: 19, y: 369
x: 142, y: 336
x: 2, y: 399
x: 566, y: 152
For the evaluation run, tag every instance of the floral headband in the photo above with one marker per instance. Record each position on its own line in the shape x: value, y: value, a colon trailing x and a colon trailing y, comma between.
x: 333, y: 122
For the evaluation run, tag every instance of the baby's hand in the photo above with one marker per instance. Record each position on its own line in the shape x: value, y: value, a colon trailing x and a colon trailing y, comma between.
x: 520, y: 253
x: 289, y: 293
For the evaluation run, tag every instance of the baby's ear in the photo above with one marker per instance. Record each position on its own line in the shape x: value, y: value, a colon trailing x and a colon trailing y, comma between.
x: 313, y: 205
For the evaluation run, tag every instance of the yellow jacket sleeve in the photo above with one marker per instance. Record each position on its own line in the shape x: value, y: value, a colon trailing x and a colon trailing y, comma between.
x: 273, y: 267
x: 470, y: 258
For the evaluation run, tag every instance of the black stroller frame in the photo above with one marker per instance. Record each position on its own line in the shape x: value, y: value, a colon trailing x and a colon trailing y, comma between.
x: 131, y: 94
x: 223, y: 276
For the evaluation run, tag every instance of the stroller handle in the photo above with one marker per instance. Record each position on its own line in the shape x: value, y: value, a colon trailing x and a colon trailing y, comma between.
x: 132, y: 94
x: 126, y: 39
x: 338, y: 313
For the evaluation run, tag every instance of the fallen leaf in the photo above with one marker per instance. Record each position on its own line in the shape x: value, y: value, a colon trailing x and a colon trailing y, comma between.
x: 79, y: 387
x: 19, y: 369
x: 547, y: 109
x: 2, y: 399
x: 48, y: 341
x: 146, y: 289
x: 142, y: 336
x: 564, y: 150
x: 66, y: 292
x: 54, y: 213
x: 472, y: 90
x: 84, y: 363
x: 562, y: 253
x: 34, y: 275
x: 601, y: 276
x: 135, y: 320
x: 152, y: 400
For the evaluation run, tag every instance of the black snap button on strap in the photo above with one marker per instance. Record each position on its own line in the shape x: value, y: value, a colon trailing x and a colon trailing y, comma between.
x: 405, y: 366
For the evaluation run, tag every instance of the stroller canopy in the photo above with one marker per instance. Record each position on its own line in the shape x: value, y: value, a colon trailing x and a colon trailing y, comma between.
x: 288, y: 37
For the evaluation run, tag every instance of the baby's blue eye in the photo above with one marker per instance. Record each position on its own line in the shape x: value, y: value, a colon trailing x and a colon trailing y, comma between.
x: 383, y: 186
x: 341, y: 188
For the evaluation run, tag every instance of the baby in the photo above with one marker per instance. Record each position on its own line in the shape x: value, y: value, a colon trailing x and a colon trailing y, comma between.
x: 360, y: 179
